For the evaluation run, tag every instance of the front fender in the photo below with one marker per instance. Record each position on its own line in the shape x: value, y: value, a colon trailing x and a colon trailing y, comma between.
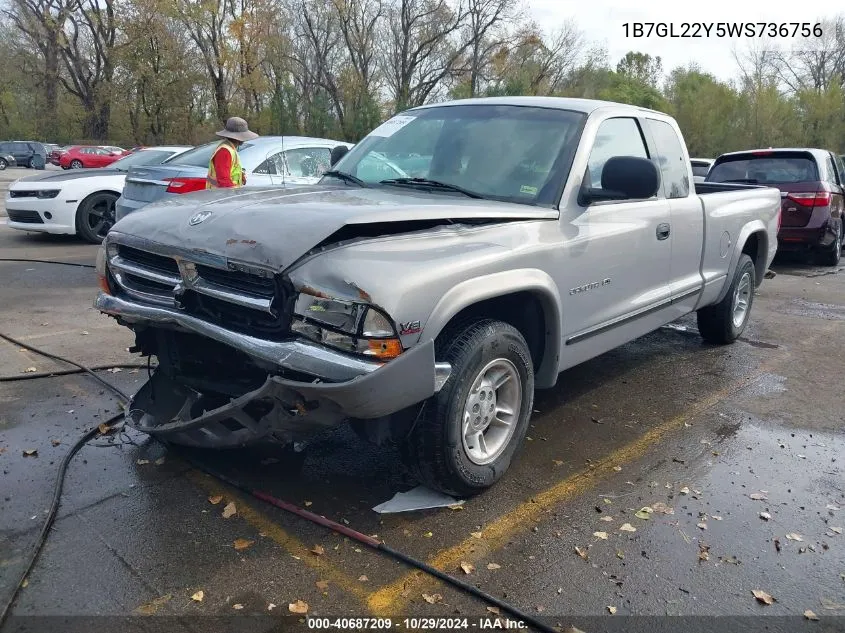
x: 477, y: 289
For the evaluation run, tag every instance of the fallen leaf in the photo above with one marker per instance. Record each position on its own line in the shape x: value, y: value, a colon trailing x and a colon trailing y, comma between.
x: 581, y: 552
x: 620, y: 554
x: 540, y: 608
x: 607, y: 519
x: 114, y: 370
x: 198, y: 596
x: 456, y: 506
x: 494, y: 610
x: 230, y: 510
x: 309, y: 504
x: 612, y: 610
x: 238, y: 606
x: 830, y: 604
x: 662, y: 508
x: 30, y: 452
x: 30, y: 370
x: 242, y: 543
x: 617, y: 468
x: 627, y: 527
x: 215, y: 499
x: 151, y: 607
x: 55, y: 442
x: 830, y: 506
x: 432, y: 598
x: 716, y: 517
x: 271, y: 606
x: 765, y: 516
x: 607, y: 502
x: 493, y: 566
x: 558, y: 462
x: 684, y: 490
x: 25, y: 583
x: 319, y: 550
x: 300, y: 606
x: 322, y: 585
x: 476, y: 534
x: 363, y: 578
x: 731, y: 560
x: 792, y: 536
x: 601, y: 535
x: 702, y: 525
x: 84, y: 333
x: 142, y: 462
x: 835, y: 530
x: 159, y: 461
x: 642, y: 514
x: 467, y: 567
x: 428, y: 535
x: 103, y: 429
x: 703, y: 552
x: 758, y: 496
x: 763, y: 597
x: 810, y: 615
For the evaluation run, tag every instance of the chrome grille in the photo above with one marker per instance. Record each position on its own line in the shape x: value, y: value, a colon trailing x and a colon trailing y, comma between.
x: 243, y: 301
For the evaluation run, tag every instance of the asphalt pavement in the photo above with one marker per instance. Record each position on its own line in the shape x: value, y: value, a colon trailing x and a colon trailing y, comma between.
x: 736, y: 452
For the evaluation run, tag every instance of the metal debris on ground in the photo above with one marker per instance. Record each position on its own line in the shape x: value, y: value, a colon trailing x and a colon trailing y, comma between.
x: 419, y: 498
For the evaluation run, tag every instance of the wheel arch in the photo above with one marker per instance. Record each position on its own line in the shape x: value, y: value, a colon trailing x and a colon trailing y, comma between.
x: 528, y: 299
x: 753, y: 241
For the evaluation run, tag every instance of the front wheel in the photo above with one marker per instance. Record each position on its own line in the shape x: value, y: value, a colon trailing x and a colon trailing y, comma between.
x: 725, y: 321
x: 470, y: 430
x: 95, y: 217
x: 76, y: 164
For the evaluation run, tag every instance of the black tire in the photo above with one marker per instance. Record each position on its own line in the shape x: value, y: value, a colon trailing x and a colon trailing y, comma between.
x: 3, y: 164
x: 435, y: 448
x: 95, y: 216
x: 76, y: 164
x: 716, y: 323
x: 832, y: 255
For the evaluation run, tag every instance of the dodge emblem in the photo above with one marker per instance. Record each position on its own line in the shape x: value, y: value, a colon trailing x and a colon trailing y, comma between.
x: 202, y: 216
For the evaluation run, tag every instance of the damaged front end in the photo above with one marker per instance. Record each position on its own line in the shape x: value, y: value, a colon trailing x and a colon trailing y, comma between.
x: 243, y: 356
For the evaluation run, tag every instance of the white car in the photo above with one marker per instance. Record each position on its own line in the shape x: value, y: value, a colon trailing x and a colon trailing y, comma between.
x: 76, y: 202
x: 700, y: 168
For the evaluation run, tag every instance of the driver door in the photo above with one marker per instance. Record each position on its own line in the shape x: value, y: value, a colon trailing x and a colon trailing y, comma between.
x: 616, y: 263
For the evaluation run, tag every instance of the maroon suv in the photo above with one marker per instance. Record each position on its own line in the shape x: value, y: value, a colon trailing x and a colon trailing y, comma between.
x: 811, y: 183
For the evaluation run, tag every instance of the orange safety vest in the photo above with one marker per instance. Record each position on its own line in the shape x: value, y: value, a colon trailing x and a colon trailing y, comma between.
x: 236, y: 173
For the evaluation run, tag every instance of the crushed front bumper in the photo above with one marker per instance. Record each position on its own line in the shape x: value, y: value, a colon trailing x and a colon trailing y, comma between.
x: 343, y: 386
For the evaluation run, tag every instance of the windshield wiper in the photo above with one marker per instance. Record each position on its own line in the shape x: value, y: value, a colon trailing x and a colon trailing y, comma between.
x: 435, y: 184
x: 345, y: 177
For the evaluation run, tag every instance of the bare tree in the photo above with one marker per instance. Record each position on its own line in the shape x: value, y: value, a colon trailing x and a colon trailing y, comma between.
x: 421, y: 49
x: 817, y: 63
x: 87, y: 47
x: 358, y: 21
x: 43, y: 23
x: 485, y: 24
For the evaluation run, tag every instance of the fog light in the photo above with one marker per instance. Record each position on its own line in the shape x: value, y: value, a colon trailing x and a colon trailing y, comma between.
x: 48, y: 215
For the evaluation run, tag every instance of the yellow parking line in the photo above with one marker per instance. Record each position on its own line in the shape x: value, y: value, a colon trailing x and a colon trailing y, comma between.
x: 291, y: 544
x: 390, y: 599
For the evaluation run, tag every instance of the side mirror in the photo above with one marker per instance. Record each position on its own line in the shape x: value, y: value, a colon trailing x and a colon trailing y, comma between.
x: 624, y: 178
x: 338, y: 153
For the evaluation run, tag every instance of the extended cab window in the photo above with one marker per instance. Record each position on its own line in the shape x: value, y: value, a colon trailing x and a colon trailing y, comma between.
x: 615, y: 137
x: 670, y: 159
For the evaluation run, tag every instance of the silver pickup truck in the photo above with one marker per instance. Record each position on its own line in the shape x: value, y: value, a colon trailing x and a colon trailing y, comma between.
x: 460, y: 256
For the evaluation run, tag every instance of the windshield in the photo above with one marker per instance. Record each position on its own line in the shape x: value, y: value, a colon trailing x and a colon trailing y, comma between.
x: 700, y: 169
x: 501, y: 152
x: 770, y: 168
x: 145, y: 157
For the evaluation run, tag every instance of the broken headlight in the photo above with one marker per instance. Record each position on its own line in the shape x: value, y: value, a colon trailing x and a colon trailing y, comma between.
x: 346, y: 325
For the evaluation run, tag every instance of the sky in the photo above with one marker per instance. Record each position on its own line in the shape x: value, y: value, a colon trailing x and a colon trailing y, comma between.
x: 602, y: 21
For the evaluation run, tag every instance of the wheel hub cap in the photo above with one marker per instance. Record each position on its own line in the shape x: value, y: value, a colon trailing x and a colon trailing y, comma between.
x: 742, y: 299
x: 491, y: 411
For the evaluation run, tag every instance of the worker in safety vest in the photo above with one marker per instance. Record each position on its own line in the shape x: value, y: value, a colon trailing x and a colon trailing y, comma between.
x: 224, y: 168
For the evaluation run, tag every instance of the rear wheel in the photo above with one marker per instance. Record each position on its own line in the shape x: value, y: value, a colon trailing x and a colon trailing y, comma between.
x: 76, y: 164
x: 831, y: 256
x: 725, y: 321
x: 469, y: 431
x: 95, y: 217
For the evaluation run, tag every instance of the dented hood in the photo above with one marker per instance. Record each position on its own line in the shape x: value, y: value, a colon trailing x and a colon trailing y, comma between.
x: 274, y: 227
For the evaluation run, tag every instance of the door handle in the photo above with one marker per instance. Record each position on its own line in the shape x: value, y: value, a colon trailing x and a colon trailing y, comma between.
x: 662, y: 231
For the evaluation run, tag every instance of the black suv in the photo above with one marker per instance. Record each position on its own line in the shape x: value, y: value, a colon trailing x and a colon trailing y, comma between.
x: 26, y: 153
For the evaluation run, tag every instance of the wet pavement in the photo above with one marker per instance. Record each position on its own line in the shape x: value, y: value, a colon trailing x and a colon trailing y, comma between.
x: 737, y: 452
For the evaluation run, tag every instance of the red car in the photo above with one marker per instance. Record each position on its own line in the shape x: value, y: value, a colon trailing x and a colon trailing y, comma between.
x: 79, y: 156
x: 812, y: 185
